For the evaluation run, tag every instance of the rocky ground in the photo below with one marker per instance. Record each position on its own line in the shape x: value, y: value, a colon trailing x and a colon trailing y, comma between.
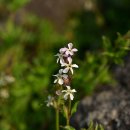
x: 110, y: 106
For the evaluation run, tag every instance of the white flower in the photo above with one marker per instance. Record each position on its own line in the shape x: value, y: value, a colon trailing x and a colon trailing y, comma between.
x: 6, y: 79
x: 4, y: 93
x: 68, y: 93
x: 9, y: 79
x: 69, y: 66
x: 60, y: 77
x: 49, y: 101
x: 60, y: 57
x: 68, y: 51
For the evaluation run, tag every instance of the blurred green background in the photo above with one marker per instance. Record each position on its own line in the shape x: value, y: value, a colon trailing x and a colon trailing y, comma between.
x: 29, y: 39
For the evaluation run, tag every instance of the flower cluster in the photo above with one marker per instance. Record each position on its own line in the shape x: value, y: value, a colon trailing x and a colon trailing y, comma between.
x: 64, y: 58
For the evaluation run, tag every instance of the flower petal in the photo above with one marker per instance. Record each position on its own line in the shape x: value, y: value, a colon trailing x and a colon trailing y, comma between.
x: 70, y: 45
x: 71, y: 53
x: 55, y: 75
x: 63, y: 63
x: 73, y: 90
x: 60, y: 81
x: 68, y: 87
x: 47, y: 104
x: 74, y: 50
x: 69, y: 60
x: 71, y: 96
x: 67, y: 53
x: 60, y: 71
x: 62, y: 50
x: 57, y: 54
x: 66, y: 96
x: 58, y: 60
x: 55, y: 80
x: 63, y: 91
x: 75, y: 66
x: 66, y: 70
x: 71, y: 70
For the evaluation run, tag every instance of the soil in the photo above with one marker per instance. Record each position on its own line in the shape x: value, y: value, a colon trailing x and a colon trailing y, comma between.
x: 56, y: 11
x: 109, y: 107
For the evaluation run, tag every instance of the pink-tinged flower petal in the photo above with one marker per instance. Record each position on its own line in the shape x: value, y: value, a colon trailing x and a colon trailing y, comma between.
x: 60, y: 81
x: 65, y: 55
x: 66, y: 70
x: 62, y: 61
x: 70, y: 45
x: 74, y: 50
x: 70, y: 60
x: 67, y: 52
x: 71, y: 96
x: 71, y: 53
x: 62, y: 50
x: 71, y: 70
x: 75, y: 66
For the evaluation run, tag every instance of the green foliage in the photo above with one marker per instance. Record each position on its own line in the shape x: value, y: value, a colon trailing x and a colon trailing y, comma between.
x: 95, y: 68
x: 26, y: 54
x: 117, y: 50
x: 94, y: 127
x: 69, y: 128
x: 91, y: 126
x: 13, y: 5
x: 74, y: 108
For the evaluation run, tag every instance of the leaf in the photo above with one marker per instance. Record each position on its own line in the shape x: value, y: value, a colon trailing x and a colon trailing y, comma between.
x: 65, y: 111
x: 101, y: 127
x: 106, y: 43
x: 69, y: 128
x: 96, y: 128
x: 74, y: 108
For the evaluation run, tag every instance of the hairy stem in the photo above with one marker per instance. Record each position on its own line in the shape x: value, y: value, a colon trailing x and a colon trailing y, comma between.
x: 57, y: 118
x: 69, y: 112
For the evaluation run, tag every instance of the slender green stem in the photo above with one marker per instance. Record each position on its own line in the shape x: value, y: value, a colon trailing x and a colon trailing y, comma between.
x: 57, y: 118
x: 70, y: 107
x: 67, y: 123
x: 69, y: 112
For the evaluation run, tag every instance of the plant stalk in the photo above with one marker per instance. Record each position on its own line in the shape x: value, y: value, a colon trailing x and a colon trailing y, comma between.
x: 69, y: 112
x: 57, y: 118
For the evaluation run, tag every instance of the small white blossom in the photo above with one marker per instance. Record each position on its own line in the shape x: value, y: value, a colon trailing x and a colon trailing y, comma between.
x: 69, y: 66
x: 68, y: 93
x: 4, y: 93
x: 49, y: 101
x: 9, y: 79
x: 58, y: 92
x: 68, y: 51
x: 60, y: 77
x: 6, y: 79
x: 60, y: 57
